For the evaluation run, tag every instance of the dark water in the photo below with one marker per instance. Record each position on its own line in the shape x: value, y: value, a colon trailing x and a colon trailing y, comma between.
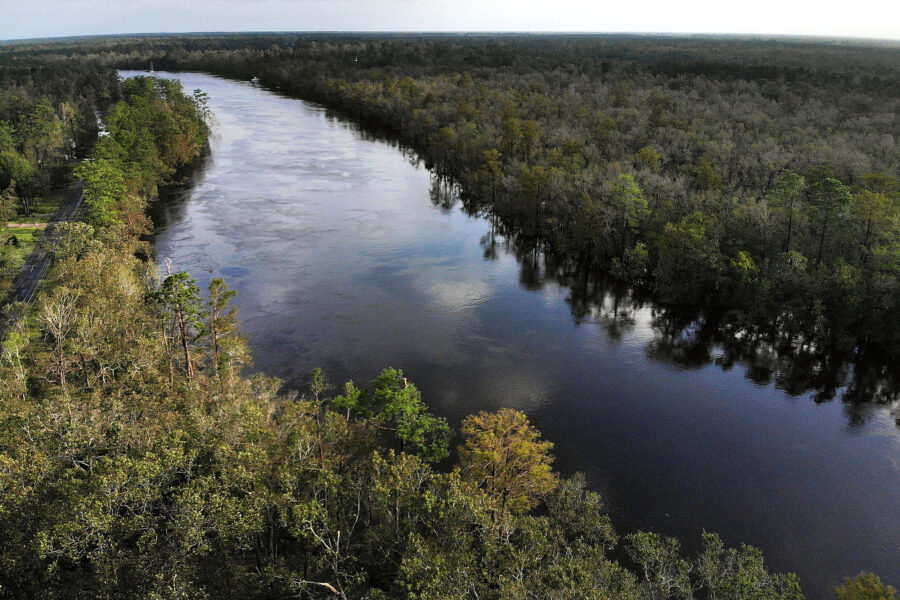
x: 347, y: 255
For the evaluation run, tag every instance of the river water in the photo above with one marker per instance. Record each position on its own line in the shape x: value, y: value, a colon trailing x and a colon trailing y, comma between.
x: 347, y: 254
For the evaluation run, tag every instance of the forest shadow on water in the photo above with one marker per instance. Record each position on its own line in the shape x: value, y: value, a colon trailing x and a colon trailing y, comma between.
x: 691, y: 337
x: 687, y: 337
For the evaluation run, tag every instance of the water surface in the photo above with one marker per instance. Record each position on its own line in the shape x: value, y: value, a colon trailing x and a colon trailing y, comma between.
x: 346, y: 255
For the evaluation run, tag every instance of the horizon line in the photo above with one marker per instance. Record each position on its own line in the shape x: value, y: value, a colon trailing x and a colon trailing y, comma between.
x: 679, y: 34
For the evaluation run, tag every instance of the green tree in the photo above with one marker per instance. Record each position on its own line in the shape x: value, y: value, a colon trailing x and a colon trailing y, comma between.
x: 42, y: 132
x: 530, y: 136
x: 634, y: 266
x: 665, y: 573
x: 744, y: 275
x: 396, y: 404
x: 578, y: 514
x: 493, y: 168
x: 829, y: 196
x: 512, y: 135
x: 628, y: 201
x: 533, y: 190
x: 687, y: 264
x: 220, y: 328
x: 708, y: 179
x: 179, y: 294
x: 877, y: 214
x: 8, y: 202
x: 648, y: 157
x: 504, y: 454
x: 70, y: 240
x: 740, y: 574
x: 605, y: 131
x: 882, y: 183
x: 16, y: 172
x: 104, y: 189
x: 441, y: 145
x: 786, y: 197
x: 13, y: 165
x: 7, y: 136
x: 865, y: 586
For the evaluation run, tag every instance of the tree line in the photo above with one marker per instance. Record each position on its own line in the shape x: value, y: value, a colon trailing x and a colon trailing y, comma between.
x: 48, y: 120
x: 755, y: 177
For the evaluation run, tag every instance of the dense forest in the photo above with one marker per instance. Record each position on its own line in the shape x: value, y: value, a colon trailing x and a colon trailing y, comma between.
x: 755, y: 179
x: 139, y: 460
x: 48, y: 121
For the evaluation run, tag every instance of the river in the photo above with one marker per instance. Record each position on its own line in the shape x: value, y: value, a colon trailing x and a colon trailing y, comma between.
x: 347, y: 254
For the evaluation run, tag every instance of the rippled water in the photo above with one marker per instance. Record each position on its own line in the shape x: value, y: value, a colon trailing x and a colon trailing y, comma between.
x: 346, y: 257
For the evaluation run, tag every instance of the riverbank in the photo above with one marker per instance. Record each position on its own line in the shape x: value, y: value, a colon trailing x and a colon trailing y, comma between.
x: 369, y: 262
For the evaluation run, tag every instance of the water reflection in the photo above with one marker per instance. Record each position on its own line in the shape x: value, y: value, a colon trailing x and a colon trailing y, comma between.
x: 692, y: 339
x: 444, y: 193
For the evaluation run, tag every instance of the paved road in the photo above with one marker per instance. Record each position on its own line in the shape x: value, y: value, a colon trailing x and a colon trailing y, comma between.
x: 27, y: 282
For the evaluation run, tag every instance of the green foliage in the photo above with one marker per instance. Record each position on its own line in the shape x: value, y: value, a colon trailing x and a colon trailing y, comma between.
x: 569, y: 118
x: 14, y: 168
x: 228, y: 348
x: 577, y: 513
x: 397, y: 404
x: 829, y: 197
x: 104, y: 188
x: 686, y: 268
x: 8, y: 202
x: 744, y: 275
x: 634, y: 265
x: 700, y: 144
x: 128, y: 479
x: 785, y: 199
x: 648, y: 157
x: 865, y: 586
x: 665, y: 573
x: 739, y: 574
x: 708, y: 179
x: 153, y: 131
x: 505, y: 454
x: 179, y: 293
x: 878, y: 218
x: 180, y: 297
x: 70, y: 241
x: 628, y: 200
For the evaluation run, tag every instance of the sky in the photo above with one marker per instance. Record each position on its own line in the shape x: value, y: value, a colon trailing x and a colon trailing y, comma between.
x: 836, y: 18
